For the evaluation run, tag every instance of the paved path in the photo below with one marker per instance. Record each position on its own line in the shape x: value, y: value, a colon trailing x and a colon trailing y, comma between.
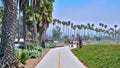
x: 60, y: 57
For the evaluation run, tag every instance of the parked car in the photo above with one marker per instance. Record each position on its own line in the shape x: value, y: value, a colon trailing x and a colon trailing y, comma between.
x: 19, y: 44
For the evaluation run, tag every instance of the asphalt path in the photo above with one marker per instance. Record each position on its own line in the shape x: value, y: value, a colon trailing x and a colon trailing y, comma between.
x: 60, y: 57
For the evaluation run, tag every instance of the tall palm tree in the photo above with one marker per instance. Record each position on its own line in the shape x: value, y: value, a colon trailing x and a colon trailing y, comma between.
x: 74, y: 28
x: 82, y: 27
x: 96, y: 30
x: 31, y: 26
x: 63, y: 22
x: 88, y: 29
x: 7, y: 59
x: 79, y: 28
x: 1, y: 11
x: 119, y: 32
x: 71, y: 28
x: 1, y: 15
x: 85, y: 30
x: 54, y: 22
x: 23, y: 8
x: 115, y: 30
x: 45, y: 11
x: 105, y: 26
x: 68, y: 24
x: 92, y: 27
x: 34, y: 6
x: 59, y: 22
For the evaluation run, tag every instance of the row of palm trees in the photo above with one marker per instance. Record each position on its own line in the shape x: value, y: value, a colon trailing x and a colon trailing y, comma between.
x: 36, y: 16
x: 87, y: 30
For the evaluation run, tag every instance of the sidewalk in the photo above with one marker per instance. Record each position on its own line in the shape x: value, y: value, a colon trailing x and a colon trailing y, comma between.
x: 60, y: 57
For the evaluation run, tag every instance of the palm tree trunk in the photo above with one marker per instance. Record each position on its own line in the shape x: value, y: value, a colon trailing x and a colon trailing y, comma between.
x: 74, y: 33
x: 19, y: 29
x: 24, y: 24
x: 40, y: 36
x: 68, y: 31
x: 63, y: 31
x: 84, y: 33
x: 42, y: 30
x: 7, y: 59
x: 34, y: 28
x: 71, y: 32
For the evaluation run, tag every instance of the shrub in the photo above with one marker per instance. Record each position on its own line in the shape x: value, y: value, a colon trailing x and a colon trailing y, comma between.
x: 34, y: 53
x: 18, y: 53
x: 50, y: 45
x: 38, y: 47
x: 24, y: 56
x: 21, y: 55
x: 30, y: 46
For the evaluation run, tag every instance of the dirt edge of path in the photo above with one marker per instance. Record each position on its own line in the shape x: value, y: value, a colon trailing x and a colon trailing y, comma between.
x: 31, y: 63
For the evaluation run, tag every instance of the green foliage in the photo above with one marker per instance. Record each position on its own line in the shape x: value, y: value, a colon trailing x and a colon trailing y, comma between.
x: 1, y: 11
x: 29, y: 34
x: 29, y: 15
x: 50, y: 45
x: 30, y: 46
x: 99, y: 55
x: 18, y: 53
x: 66, y: 38
x: 38, y: 16
x: 46, y: 8
x: 56, y: 33
x: 34, y: 53
x: 38, y: 47
x: 21, y: 55
x: 24, y: 56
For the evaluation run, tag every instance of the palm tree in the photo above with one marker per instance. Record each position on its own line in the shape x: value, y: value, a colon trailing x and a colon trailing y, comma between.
x: 92, y: 27
x: 85, y: 30
x: 44, y: 11
x: 79, y: 28
x: 59, y: 22
x: 34, y: 4
x: 74, y: 28
x: 1, y: 11
x: 115, y: 30
x: 23, y: 7
x: 82, y: 27
x: 105, y: 26
x: 88, y: 29
x: 119, y: 32
x: 111, y: 31
x: 63, y: 22
x: 7, y: 59
x: 1, y: 15
x: 54, y: 22
x: 68, y: 24
x: 66, y: 27
x: 30, y: 25
x: 71, y: 28
x: 96, y: 30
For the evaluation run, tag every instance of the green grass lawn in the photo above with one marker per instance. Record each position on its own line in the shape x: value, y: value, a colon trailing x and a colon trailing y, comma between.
x: 99, y: 55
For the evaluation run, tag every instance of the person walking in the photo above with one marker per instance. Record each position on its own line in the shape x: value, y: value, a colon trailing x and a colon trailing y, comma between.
x: 43, y: 44
x: 80, y: 42
x: 72, y: 39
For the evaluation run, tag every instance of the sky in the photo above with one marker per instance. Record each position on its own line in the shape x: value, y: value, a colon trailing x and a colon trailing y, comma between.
x: 88, y: 11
